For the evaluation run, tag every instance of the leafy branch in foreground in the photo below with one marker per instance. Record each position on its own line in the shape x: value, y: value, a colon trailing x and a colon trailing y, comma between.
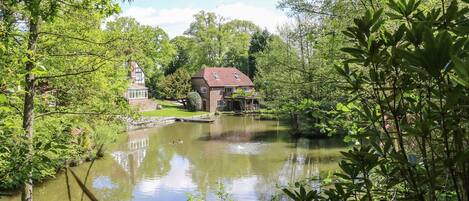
x: 407, y: 77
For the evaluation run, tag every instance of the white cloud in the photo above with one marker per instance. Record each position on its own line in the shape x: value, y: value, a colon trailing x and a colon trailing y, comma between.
x: 176, y: 20
x: 263, y: 17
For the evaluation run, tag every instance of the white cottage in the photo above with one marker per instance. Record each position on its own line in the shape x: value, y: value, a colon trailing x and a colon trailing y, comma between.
x: 137, y: 93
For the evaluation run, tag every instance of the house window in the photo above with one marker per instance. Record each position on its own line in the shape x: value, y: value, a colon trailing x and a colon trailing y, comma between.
x: 228, y: 90
x: 139, y: 76
x: 203, y: 90
x: 137, y: 93
x: 220, y: 103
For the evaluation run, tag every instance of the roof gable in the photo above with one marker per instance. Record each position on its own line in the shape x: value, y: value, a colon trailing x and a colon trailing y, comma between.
x: 134, y: 67
x: 220, y: 77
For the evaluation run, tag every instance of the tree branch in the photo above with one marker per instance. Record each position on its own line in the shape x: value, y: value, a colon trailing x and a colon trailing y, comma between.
x: 75, y: 54
x: 73, y: 113
x: 79, y: 39
x: 93, y: 69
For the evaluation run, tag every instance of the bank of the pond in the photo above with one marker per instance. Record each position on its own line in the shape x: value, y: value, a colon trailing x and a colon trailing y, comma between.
x: 150, y: 122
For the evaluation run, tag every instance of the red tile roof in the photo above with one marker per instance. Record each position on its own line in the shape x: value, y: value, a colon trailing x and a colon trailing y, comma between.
x: 219, y: 77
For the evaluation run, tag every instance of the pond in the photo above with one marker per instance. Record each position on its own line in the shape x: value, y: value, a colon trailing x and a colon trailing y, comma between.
x: 250, y: 157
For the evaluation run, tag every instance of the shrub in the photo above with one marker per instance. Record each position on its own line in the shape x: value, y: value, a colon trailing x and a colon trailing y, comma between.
x: 194, y: 101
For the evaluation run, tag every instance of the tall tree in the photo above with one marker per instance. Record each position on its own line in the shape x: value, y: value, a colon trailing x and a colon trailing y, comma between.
x: 241, y: 32
x: 176, y: 86
x: 259, y: 42
x: 209, y: 34
x: 220, y: 42
x: 150, y: 47
x: 44, y: 58
x: 310, y: 87
x: 184, y: 52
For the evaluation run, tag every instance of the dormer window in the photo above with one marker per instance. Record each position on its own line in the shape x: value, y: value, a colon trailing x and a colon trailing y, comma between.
x: 216, y: 76
x: 139, y: 77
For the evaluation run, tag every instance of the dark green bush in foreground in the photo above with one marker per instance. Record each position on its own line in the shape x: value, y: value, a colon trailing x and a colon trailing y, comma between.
x: 408, y: 72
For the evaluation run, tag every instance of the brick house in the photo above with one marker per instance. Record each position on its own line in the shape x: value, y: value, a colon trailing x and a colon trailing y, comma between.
x: 137, y: 92
x: 224, y: 89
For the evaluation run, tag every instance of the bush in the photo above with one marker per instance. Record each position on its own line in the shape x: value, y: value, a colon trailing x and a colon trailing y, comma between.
x: 194, y: 101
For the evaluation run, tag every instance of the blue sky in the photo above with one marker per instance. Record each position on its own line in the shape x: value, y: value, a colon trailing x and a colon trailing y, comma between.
x: 174, y: 16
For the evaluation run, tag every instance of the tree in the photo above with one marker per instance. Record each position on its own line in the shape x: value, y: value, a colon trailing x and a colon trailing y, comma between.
x: 406, y: 70
x: 194, y: 101
x: 414, y: 93
x: 259, y: 43
x: 220, y: 42
x: 295, y: 70
x: 239, y: 39
x: 50, y: 41
x: 209, y: 35
x: 150, y: 47
x: 176, y: 86
x: 184, y: 54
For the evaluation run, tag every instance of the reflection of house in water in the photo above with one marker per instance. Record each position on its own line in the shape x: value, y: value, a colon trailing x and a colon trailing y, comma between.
x: 236, y: 135
x: 136, y: 150
x: 246, y: 129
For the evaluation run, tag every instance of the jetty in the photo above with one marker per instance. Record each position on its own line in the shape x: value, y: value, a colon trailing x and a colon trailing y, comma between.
x: 197, y: 120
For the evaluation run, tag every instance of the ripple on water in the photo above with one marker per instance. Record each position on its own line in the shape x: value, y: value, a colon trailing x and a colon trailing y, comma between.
x: 245, y: 148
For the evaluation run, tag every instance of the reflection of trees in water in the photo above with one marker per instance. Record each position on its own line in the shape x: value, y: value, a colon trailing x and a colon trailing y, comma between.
x: 300, y: 164
x: 308, y: 159
x: 110, y: 178
x: 241, y: 129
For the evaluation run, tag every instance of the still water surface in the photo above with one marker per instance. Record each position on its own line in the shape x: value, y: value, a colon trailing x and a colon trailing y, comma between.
x: 249, y: 156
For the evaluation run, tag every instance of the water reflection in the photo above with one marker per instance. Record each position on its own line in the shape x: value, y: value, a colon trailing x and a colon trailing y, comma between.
x: 250, y: 157
x: 132, y: 157
x: 172, y: 186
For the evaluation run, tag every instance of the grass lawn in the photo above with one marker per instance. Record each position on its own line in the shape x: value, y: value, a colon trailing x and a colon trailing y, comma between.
x: 170, y: 110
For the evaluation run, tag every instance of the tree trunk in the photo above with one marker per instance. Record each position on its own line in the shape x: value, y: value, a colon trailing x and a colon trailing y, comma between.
x: 184, y: 105
x: 28, y: 109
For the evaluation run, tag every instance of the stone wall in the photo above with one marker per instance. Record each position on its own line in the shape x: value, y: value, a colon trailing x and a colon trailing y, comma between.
x: 216, y: 94
x: 150, y: 122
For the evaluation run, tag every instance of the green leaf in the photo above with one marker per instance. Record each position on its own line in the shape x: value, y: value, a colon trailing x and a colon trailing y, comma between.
x: 24, y: 59
x: 3, y: 98
x: 460, y: 81
x: 377, y: 16
x: 400, y: 33
x: 462, y: 72
x: 353, y: 51
x: 290, y: 194
x: 5, y: 109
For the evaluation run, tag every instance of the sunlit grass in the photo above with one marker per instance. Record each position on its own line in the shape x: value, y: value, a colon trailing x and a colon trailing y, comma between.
x: 171, y: 110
